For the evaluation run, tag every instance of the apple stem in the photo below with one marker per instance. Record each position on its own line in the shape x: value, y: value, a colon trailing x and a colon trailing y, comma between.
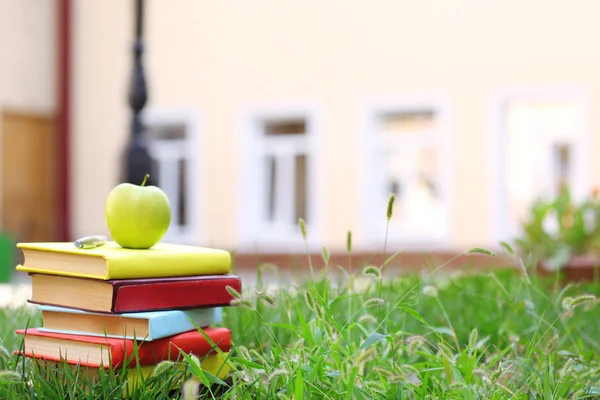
x: 145, y: 179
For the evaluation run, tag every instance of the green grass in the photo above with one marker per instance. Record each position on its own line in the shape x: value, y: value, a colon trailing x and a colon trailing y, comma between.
x: 496, y: 334
x: 491, y: 335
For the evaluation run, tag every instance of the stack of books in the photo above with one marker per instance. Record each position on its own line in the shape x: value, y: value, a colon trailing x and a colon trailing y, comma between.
x: 110, y: 307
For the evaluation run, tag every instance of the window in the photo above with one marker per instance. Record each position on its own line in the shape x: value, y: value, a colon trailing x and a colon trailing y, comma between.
x: 407, y: 156
x: 284, y: 158
x: 544, y: 144
x: 279, y: 179
x: 170, y: 139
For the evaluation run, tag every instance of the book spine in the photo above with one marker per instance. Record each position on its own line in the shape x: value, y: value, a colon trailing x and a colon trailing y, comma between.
x: 173, y: 295
x: 172, y: 324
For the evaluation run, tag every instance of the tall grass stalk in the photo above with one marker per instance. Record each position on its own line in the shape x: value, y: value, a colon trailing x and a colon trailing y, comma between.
x: 304, y: 232
x: 349, y: 250
x: 388, y: 215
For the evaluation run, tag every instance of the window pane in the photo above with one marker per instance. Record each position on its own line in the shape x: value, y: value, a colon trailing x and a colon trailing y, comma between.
x: 271, y: 168
x: 427, y: 169
x: 412, y: 177
x: 540, y: 138
x: 398, y: 172
x: 408, y: 121
x: 285, y: 127
x: 562, y: 165
x: 182, y: 214
x: 301, y: 188
x: 167, y: 131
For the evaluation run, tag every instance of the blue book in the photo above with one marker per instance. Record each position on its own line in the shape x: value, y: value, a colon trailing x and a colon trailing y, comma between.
x: 145, y: 326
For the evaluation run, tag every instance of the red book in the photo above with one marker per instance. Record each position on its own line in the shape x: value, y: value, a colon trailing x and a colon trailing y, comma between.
x: 133, y: 295
x: 94, y: 351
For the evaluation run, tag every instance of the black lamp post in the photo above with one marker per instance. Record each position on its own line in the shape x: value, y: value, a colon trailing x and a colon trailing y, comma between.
x: 138, y: 162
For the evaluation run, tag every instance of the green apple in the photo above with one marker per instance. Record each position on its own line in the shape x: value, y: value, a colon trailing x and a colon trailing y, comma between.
x: 137, y: 216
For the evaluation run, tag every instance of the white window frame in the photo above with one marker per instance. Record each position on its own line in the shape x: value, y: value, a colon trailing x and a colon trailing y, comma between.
x: 497, y: 148
x: 191, y: 120
x: 372, y: 178
x: 256, y: 235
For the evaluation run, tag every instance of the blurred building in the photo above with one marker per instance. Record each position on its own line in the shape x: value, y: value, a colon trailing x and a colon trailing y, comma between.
x: 262, y: 112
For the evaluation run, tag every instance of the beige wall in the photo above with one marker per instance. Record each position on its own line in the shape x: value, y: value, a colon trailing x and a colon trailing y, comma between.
x: 28, y: 60
x: 218, y: 57
x: 100, y: 69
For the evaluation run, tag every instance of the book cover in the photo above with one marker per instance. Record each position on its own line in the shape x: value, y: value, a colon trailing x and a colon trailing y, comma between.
x: 133, y: 295
x: 95, y: 351
x: 156, y: 324
x: 111, y: 261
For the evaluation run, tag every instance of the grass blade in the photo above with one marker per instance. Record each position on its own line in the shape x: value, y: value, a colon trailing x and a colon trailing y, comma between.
x: 372, y: 339
x: 351, y: 382
x: 299, y: 387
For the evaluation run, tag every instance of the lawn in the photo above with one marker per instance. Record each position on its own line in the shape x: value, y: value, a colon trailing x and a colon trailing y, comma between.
x: 497, y: 334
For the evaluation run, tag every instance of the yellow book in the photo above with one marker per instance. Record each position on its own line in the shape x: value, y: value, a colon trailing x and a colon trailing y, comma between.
x: 111, y: 261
